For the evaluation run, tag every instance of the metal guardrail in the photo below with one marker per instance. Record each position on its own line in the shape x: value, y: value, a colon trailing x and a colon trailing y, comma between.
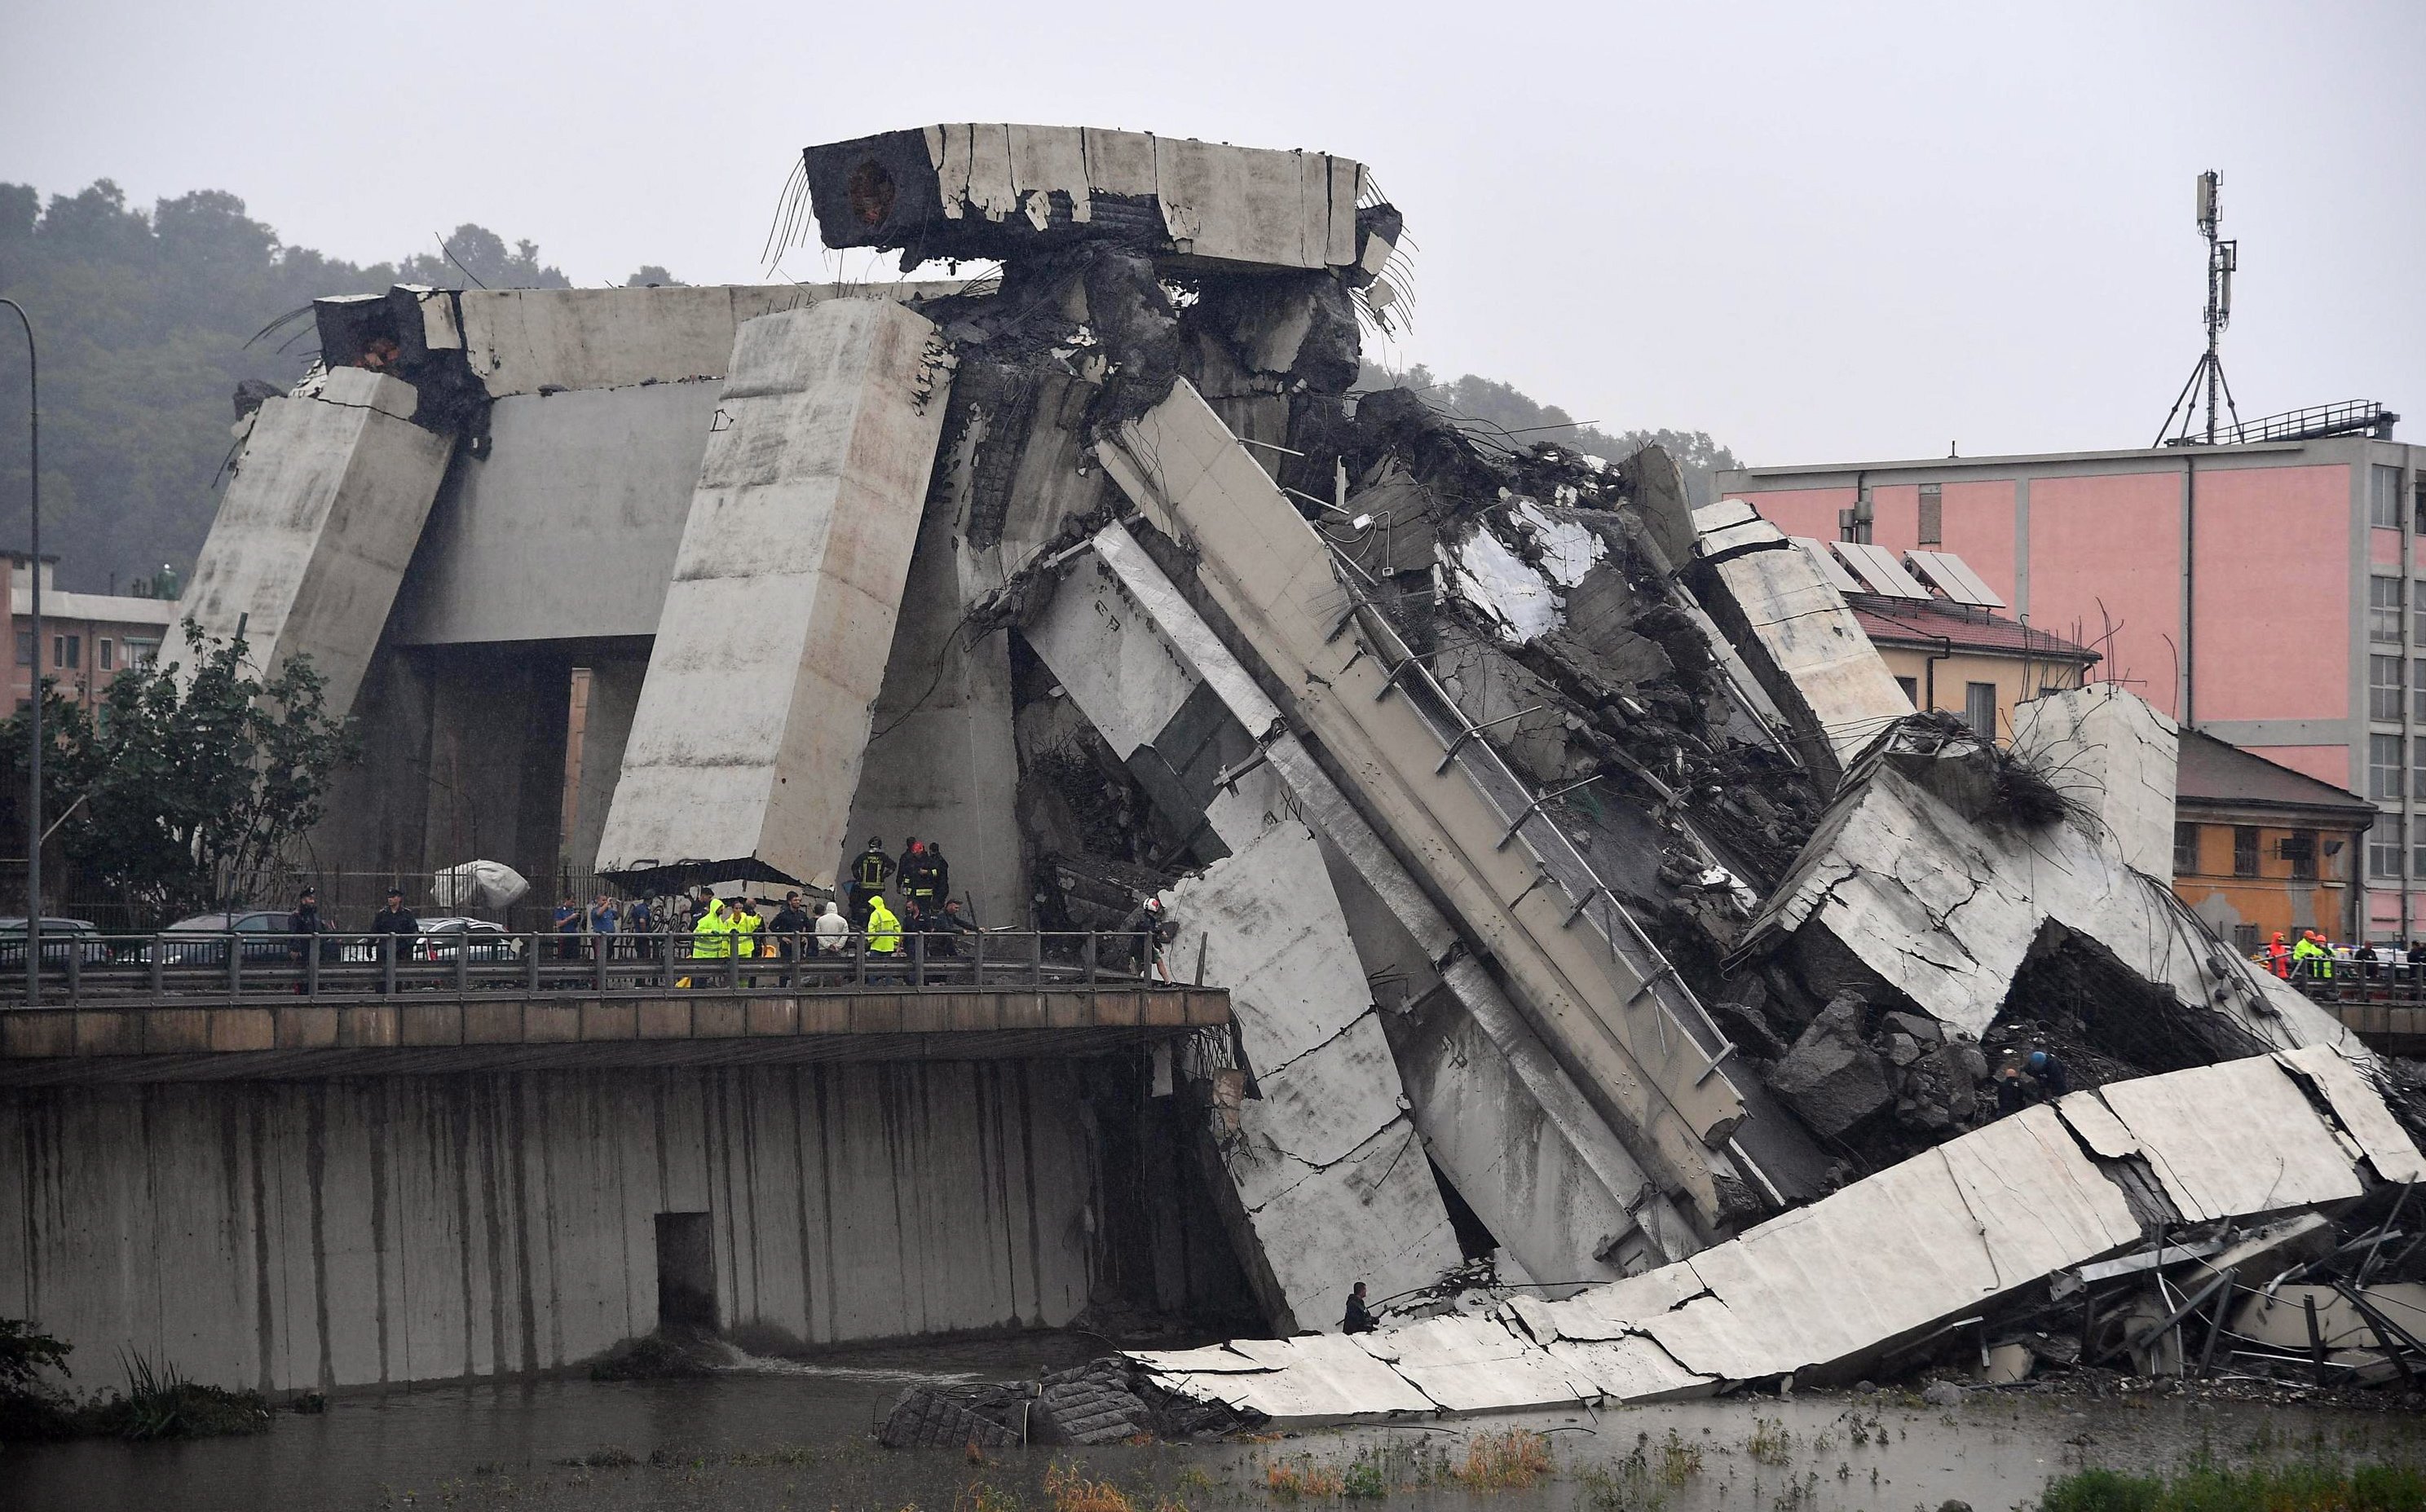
x: 2396, y: 983
x: 90, y: 970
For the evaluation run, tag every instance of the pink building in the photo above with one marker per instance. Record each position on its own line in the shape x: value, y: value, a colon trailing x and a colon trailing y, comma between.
x: 2272, y: 594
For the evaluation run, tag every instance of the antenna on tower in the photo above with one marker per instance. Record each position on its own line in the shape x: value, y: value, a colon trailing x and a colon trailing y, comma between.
x: 2222, y: 258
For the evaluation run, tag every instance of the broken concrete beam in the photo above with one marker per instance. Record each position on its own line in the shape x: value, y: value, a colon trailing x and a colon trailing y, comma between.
x: 1599, y: 994
x: 747, y: 745
x: 1327, y: 1169
x: 1926, y: 879
x: 1828, y: 1290
x: 1498, y: 1111
x: 2112, y: 752
x: 319, y: 522
x: 988, y: 189
x: 1794, y: 631
x: 547, y: 341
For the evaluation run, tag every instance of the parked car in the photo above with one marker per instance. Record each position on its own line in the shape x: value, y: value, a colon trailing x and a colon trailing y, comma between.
x: 202, y: 941
x: 58, y: 935
x: 442, y: 940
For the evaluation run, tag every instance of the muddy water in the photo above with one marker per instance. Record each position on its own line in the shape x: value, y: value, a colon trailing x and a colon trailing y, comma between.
x: 774, y: 1434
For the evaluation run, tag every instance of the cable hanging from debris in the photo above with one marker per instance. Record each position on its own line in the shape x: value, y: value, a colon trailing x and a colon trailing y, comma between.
x: 456, y: 260
x: 791, y: 213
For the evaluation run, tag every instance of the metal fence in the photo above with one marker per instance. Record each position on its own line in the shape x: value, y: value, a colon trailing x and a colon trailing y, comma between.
x: 348, y: 895
x: 96, y: 969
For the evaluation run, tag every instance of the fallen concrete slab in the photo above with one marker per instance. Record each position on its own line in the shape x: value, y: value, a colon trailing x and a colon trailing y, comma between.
x: 747, y: 744
x: 1599, y: 993
x: 1508, y: 1124
x: 2114, y: 752
x: 1329, y: 1173
x: 1794, y: 631
x: 1943, y: 867
x: 318, y: 524
x: 1826, y: 1292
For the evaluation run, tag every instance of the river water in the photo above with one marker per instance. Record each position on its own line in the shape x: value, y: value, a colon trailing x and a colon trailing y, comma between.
x: 787, y: 1434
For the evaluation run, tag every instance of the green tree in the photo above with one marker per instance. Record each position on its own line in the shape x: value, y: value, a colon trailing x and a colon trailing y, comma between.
x: 185, y: 789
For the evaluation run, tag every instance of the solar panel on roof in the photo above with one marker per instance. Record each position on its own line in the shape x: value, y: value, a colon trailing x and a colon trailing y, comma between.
x: 1828, y: 567
x: 1879, y: 571
x: 1952, y: 576
x: 1977, y: 584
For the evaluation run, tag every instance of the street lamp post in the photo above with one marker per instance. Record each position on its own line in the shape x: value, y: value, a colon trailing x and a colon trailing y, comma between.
x: 34, y: 709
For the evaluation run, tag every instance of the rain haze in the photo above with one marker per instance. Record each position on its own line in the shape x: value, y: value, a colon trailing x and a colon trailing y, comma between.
x: 1817, y: 235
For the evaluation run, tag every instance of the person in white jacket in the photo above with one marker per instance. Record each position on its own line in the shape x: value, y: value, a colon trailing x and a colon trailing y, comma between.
x: 832, y: 931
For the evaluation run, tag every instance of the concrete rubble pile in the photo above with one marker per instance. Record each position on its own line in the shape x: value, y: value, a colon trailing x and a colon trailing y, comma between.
x: 1992, y: 1248
x: 1589, y: 897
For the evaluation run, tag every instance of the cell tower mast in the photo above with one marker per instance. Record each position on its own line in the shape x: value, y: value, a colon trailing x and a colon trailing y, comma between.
x: 2222, y: 258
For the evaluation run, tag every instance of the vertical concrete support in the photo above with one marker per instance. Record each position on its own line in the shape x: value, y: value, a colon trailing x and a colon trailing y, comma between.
x: 942, y: 763
x: 614, y: 696
x: 748, y: 740
x: 1328, y: 1169
x: 318, y: 526
x: 2115, y: 751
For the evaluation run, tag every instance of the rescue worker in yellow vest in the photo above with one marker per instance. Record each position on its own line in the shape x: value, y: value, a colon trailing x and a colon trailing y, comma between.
x: 746, y: 924
x: 883, y: 932
x: 711, y: 938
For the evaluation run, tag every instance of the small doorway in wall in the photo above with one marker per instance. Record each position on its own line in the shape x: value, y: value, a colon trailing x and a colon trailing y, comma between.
x: 686, y: 1273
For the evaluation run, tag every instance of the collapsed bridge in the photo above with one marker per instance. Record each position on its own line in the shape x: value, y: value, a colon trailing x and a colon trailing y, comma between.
x: 1584, y: 890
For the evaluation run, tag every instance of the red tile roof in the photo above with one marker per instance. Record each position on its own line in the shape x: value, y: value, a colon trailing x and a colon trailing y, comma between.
x: 1934, y: 622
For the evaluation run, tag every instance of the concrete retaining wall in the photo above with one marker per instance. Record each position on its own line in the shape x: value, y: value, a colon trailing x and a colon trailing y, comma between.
x: 348, y: 1232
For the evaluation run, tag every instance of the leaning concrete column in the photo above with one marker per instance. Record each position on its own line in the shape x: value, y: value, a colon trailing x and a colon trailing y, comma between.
x: 748, y: 740
x: 318, y: 524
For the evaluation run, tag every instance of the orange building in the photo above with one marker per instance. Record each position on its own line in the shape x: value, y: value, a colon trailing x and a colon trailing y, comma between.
x: 2258, y: 847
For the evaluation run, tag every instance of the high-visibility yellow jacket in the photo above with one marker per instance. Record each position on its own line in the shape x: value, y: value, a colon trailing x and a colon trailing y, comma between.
x: 745, y: 935
x: 711, y: 937
x: 883, y: 930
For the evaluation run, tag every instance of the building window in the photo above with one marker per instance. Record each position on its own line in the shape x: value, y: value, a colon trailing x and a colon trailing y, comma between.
x: 25, y: 648
x: 2420, y: 497
x: 2384, y: 688
x: 2383, y: 497
x: 2186, y: 838
x: 2299, y: 847
x: 142, y: 652
x: 1932, y: 515
x: 2244, y: 850
x: 2383, y: 596
x: 2244, y: 939
x: 2383, y: 847
x: 100, y: 650
x: 1911, y: 690
x: 2418, y: 689
x: 1980, y: 709
x: 2383, y: 766
x: 67, y: 650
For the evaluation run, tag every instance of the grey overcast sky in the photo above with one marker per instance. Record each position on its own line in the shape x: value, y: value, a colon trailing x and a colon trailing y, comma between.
x: 1817, y: 231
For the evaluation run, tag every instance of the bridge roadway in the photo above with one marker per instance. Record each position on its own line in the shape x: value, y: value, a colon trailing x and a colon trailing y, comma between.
x: 155, y: 1010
